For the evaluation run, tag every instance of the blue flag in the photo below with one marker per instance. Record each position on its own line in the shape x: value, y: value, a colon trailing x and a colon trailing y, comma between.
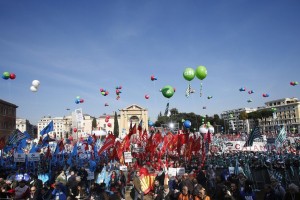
x: 74, y: 152
x: 47, y: 129
x: 45, y: 141
x: 33, y: 149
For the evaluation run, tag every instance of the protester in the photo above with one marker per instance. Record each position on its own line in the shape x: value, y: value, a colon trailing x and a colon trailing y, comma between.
x: 137, y: 186
x: 22, y: 191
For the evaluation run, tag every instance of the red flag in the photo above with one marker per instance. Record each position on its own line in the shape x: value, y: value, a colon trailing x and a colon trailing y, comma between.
x: 109, y: 142
x: 174, y: 143
x: 157, y: 139
x: 132, y: 130
x: 2, y: 142
x: 61, y: 146
x: 167, y: 139
x: 48, y: 153
x: 144, y: 136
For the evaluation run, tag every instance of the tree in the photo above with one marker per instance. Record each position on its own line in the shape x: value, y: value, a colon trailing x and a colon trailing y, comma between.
x: 243, y: 116
x: 94, y: 123
x: 116, y: 125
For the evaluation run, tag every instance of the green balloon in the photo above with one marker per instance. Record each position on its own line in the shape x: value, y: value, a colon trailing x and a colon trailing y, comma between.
x: 6, y: 75
x: 201, y: 72
x: 167, y: 91
x: 189, y: 74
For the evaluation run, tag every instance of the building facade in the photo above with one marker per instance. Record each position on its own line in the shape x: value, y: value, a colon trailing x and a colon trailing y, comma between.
x: 7, y: 118
x: 24, y: 125
x: 234, y: 123
x: 286, y: 112
x: 134, y: 114
x: 67, y: 126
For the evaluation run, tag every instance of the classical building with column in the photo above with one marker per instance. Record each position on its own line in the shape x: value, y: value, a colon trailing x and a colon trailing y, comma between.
x: 134, y: 114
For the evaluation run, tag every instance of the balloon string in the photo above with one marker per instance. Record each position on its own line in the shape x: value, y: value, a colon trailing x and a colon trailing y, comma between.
x: 201, y: 89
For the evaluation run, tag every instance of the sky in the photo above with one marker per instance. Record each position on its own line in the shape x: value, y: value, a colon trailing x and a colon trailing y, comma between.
x: 75, y: 48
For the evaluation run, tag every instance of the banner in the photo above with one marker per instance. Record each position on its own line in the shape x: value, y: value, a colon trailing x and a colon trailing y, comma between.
x: 239, y: 146
x: 172, y: 171
x: 33, y: 157
x: 123, y: 168
x: 19, y: 157
x: 180, y: 171
x: 127, y: 157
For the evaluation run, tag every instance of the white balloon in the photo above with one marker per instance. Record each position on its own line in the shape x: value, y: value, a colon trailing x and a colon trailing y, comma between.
x: 33, y: 89
x: 211, y: 129
x: 203, y: 129
x: 36, y: 83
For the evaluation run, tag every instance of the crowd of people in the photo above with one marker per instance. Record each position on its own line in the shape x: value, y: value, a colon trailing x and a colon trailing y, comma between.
x: 211, y: 181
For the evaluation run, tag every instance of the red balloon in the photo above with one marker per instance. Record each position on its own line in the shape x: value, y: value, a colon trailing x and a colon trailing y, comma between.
x: 106, y: 120
x: 12, y: 76
x: 75, y: 130
x: 81, y: 101
x: 109, y: 124
x: 147, y: 96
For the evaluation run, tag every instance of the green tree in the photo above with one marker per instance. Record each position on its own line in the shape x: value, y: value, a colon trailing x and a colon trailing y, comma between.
x: 116, y: 125
x: 243, y: 116
x: 94, y: 123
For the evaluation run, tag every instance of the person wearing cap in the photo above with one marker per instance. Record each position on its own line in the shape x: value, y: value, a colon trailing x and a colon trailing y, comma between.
x: 22, y: 191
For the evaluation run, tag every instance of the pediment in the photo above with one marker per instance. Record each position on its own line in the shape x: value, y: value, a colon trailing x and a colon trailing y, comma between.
x: 134, y: 107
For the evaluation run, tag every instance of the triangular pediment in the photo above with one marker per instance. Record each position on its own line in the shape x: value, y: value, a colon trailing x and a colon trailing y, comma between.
x: 134, y: 107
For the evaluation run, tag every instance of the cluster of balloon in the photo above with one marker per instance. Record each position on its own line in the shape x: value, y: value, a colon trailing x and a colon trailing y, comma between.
x: 201, y: 73
x: 265, y: 95
x: 34, y: 85
x: 167, y: 91
x: 292, y: 83
x: 78, y: 100
x: 250, y: 92
x: 187, y: 124
x: 153, y: 78
x: 242, y: 89
x: 106, y: 104
x: 118, y: 92
x: 249, y: 100
x: 209, y: 97
x: 188, y: 74
x: 147, y: 96
x: 107, y: 120
x: 7, y: 75
x: 104, y: 92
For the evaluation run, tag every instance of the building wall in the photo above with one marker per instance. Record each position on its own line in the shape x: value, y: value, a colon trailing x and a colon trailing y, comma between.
x: 287, y: 113
x: 7, y: 118
x: 24, y: 125
x: 234, y: 115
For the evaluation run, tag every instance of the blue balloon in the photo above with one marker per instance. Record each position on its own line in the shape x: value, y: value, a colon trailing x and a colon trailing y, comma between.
x: 77, y: 101
x: 150, y: 123
x: 187, y: 124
